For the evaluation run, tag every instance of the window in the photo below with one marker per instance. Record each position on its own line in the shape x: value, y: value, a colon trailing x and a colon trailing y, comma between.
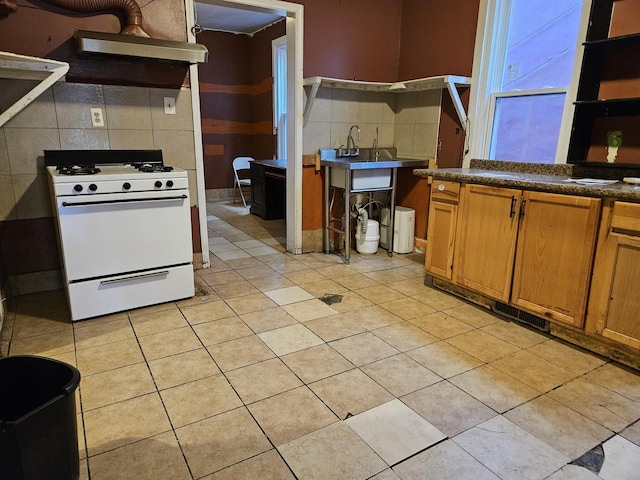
x: 524, y: 69
x: 279, y: 55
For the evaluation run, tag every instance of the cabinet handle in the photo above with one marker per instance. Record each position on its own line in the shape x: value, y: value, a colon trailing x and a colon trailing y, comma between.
x: 521, y: 214
x: 512, y: 210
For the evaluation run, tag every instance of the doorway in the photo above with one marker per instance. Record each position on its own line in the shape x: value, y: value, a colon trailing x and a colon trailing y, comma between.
x: 293, y: 15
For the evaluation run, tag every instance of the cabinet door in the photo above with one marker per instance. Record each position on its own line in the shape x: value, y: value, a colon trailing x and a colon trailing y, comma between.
x: 621, y: 323
x: 614, y: 302
x: 486, y: 239
x: 554, y: 255
x: 441, y: 228
x: 440, y: 237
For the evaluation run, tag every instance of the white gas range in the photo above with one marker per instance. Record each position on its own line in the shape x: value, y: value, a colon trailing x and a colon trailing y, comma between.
x: 124, y: 226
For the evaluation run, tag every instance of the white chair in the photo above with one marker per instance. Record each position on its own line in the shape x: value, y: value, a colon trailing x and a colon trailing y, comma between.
x: 241, y: 164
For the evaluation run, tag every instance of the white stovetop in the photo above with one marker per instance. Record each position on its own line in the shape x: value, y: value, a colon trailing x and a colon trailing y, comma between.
x: 115, y: 172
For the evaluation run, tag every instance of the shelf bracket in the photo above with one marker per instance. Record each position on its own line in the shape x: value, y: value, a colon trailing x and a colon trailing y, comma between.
x: 315, y: 86
x: 451, y: 82
x: 22, y: 67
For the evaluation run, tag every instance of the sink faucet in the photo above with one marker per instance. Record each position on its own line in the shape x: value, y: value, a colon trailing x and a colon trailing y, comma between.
x: 376, y: 146
x: 356, y: 150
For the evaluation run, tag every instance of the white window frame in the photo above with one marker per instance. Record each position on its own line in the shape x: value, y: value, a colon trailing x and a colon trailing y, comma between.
x: 491, y: 36
x: 279, y: 71
x: 491, y: 109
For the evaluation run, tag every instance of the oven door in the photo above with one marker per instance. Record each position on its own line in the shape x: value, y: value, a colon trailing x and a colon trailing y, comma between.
x: 119, y: 233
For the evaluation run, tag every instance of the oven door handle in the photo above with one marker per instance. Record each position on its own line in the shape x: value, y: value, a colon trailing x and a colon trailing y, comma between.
x: 126, y: 200
x: 135, y: 277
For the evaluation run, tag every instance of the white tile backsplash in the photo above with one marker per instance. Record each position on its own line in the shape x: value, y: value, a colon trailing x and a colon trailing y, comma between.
x: 4, y: 155
x: 181, y: 120
x: 389, y: 102
x: 74, y: 102
x: 32, y: 196
x: 176, y: 146
x: 40, y: 113
x: 425, y: 140
x: 60, y: 119
x: 344, y: 106
x: 127, y: 107
x: 84, y: 139
x: 406, y: 108
x: 7, y: 199
x: 316, y: 135
x: 26, y: 147
x: 131, y: 139
x: 428, y: 106
x: 408, y: 121
x: 321, y: 111
x: 370, y: 108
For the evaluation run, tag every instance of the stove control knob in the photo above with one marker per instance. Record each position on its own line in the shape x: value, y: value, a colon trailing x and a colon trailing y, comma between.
x: 169, y: 183
x: 158, y: 184
x: 93, y: 187
x: 78, y: 188
x: 126, y: 185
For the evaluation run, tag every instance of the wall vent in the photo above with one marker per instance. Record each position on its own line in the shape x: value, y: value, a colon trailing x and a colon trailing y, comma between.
x: 520, y: 316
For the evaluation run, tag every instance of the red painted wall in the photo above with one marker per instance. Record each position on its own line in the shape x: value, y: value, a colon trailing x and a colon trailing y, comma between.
x: 236, y: 101
x: 437, y: 38
x: 374, y: 40
x: 352, y: 39
x: 43, y: 30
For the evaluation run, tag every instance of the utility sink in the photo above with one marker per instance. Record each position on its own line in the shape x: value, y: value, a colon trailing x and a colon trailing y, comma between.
x: 367, y: 173
x: 362, y: 179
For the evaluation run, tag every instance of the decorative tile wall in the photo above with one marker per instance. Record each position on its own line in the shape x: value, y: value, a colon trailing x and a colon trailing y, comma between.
x: 60, y: 118
x: 408, y: 121
x: 134, y: 118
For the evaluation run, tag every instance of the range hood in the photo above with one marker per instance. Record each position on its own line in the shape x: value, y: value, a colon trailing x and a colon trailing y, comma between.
x: 133, y: 46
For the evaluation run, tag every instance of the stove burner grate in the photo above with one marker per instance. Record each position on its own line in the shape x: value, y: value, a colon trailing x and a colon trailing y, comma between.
x: 152, y: 167
x: 78, y: 170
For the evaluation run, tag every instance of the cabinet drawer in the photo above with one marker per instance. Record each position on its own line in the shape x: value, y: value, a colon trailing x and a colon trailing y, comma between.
x: 444, y: 191
x: 626, y: 218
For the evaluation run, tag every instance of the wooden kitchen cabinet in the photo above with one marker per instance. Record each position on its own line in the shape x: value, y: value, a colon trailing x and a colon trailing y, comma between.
x: 486, y: 239
x: 441, y: 229
x: 556, y: 242
x: 533, y: 250
x: 614, y: 301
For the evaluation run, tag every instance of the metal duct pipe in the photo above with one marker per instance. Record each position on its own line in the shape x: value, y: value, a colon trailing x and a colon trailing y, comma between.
x: 130, y: 8
x: 7, y: 6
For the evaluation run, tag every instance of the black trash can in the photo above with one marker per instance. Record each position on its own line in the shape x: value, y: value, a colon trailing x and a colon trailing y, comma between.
x: 38, y: 428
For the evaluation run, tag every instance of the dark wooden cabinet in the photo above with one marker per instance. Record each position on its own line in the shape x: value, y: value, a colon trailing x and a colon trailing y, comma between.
x: 607, y: 107
x: 268, y: 189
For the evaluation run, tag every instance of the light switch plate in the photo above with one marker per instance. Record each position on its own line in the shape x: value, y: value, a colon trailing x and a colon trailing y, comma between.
x: 97, y: 119
x: 169, y: 105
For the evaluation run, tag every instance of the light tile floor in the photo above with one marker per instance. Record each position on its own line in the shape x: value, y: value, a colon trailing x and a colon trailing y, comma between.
x: 257, y: 377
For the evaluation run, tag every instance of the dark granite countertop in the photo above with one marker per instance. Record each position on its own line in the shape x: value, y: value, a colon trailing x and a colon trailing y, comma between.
x: 564, y: 179
x: 277, y: 163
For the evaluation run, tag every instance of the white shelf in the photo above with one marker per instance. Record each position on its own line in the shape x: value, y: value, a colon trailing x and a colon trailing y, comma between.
x: 450, y: 82
x: 22, y: 67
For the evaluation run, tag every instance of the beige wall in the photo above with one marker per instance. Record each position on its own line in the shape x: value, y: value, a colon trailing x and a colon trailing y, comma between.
x: 60, y: 119
x: 408, y: 121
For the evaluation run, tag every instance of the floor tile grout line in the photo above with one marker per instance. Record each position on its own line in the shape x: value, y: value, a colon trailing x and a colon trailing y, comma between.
x: 373, y: 332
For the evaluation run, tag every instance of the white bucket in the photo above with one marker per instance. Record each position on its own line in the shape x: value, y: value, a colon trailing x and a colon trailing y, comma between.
x: 368, y: 242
